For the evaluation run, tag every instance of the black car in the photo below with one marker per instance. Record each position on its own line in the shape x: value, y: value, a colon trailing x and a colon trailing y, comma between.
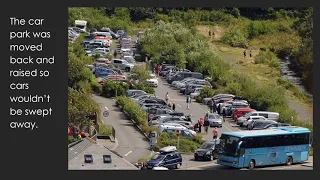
x: 208, y: 151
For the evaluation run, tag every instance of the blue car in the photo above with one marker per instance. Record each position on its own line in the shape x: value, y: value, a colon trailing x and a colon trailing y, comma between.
x: 102, y: 72
x: 120, y: 32
x: 167, y: 157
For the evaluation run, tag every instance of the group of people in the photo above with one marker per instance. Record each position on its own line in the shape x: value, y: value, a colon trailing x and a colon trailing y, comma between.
x: 205, y: 123
x: 245, y: 53
x: 156, y: 70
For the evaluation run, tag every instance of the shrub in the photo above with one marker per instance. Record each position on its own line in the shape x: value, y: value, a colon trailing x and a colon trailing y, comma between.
x: 235, y: 38
x: 104, y: 130
x: 268, y: 58
x: 112, y: 88
x: 206, y: 92
x: 144, y: 88
x: 185, y: 145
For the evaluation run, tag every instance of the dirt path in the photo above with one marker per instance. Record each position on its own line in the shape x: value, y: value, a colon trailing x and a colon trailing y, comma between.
x: 234, y: 56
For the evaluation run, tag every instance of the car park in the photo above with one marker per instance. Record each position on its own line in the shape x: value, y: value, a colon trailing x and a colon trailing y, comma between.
x: 208, y: 151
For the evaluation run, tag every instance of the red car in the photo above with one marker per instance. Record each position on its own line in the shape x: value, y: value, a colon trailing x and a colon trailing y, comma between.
x: 241, y: 112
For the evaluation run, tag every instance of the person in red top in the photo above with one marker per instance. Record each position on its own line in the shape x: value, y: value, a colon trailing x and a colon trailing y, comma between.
x: 158, y: 69
x: 215, y: 133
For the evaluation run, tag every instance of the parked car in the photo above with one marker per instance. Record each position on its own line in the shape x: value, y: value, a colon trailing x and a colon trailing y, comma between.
x: 147, y: 106
x: 207, y: 151
x: 234, y: 106
x: 215, y: 120
x: 167, y: 157
x: 173, y: 84
x: 153, y: 111
x: 253, y: 118
x: 129, y: 59
x: 168, y: 119
x: 102, y: 72
x: 184, y: 83
x: 182, y: 75
x: 269, y: 115
x: 132, y: 92
x: 259, y: 125
x: 239, y: 112
x: 122, y: 64
x: 153, y: 81
x: 196, y: 93
x: 120, y: 32
x: 191, y: 87
x: 218, y: 96
x: 171, y: 129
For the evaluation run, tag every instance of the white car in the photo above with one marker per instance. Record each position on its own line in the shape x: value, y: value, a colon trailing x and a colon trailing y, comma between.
x: 153, y: 81
x: 196, y: 93
x: 251, y: 118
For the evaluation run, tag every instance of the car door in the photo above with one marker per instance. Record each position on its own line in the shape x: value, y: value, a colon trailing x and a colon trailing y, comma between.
x: 168, y: 161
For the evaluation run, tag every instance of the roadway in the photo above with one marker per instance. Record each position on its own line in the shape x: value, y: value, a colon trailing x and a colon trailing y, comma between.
x: 130, y: 143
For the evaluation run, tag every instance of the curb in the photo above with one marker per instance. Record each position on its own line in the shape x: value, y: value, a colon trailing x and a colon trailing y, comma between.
x: 134, y: 123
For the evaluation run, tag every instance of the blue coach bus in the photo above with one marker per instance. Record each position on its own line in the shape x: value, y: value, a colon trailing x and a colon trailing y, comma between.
x: 249, y: 149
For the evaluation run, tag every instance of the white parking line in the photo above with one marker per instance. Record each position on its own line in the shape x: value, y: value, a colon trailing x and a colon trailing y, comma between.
x: 128, y: 153
x: 201, y: 108
x: 106, y: 108
x: 179, y: 105
x: 116, y: 145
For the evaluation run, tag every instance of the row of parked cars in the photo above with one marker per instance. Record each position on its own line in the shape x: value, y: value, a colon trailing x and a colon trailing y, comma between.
x: 227, y: 105
x: 161, y: 116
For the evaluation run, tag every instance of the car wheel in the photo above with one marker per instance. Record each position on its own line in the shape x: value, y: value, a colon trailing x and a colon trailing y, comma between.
x: 178, y: 166
x: 127, y: 69
x: 289, y: 161
x: 251, y: 164
x: 211, y: 158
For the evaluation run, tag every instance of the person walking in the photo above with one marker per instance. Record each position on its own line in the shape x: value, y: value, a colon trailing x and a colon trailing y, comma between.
x: 214, y: 109
x: 215, y: 133
x: 158, y: 70
x: 206, y: 124
x: 115, y: 53
x: 188, y: 101
x: 250, y: 54
x: 153, y: 70
x: 245, y: 53
x: 173, y: 106
x: 199, y: 126
x: 219, y: 108
x: 167, y: 97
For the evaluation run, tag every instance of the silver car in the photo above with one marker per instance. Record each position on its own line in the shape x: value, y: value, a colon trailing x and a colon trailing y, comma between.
x: 122, y: 64
x: 214, y: 119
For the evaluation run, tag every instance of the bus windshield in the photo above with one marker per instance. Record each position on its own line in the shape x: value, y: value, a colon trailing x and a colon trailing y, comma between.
x: 228, y: 145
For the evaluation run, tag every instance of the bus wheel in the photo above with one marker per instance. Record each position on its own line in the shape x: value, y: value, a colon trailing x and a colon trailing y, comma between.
x: 251, y: 164
x: 289, y: 161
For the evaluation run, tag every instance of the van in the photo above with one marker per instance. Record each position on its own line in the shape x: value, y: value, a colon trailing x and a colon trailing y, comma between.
x: 82, y: 24
x: 182, y: 75
x: 269, y: 115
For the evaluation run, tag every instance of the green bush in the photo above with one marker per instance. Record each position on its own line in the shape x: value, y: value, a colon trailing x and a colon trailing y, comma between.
x: 234, y: 37
x: 112, y: 88
x: 185, y: 145
x: 268, y: 58
x: 205, y: 92
x: 104, y: 130
x: 256, y: 28
x: 144, y: 88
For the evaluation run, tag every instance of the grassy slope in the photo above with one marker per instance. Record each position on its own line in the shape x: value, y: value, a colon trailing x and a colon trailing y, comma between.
x: 264, y: 74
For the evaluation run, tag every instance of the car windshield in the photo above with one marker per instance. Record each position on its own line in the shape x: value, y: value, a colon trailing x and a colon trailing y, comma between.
x: 158, y: 157
x: 206, y: 146
x: 214, y: 116
x: 228, y: 145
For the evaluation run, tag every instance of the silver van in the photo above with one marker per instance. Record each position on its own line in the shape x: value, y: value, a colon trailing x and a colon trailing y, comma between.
x: 268, y: 115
